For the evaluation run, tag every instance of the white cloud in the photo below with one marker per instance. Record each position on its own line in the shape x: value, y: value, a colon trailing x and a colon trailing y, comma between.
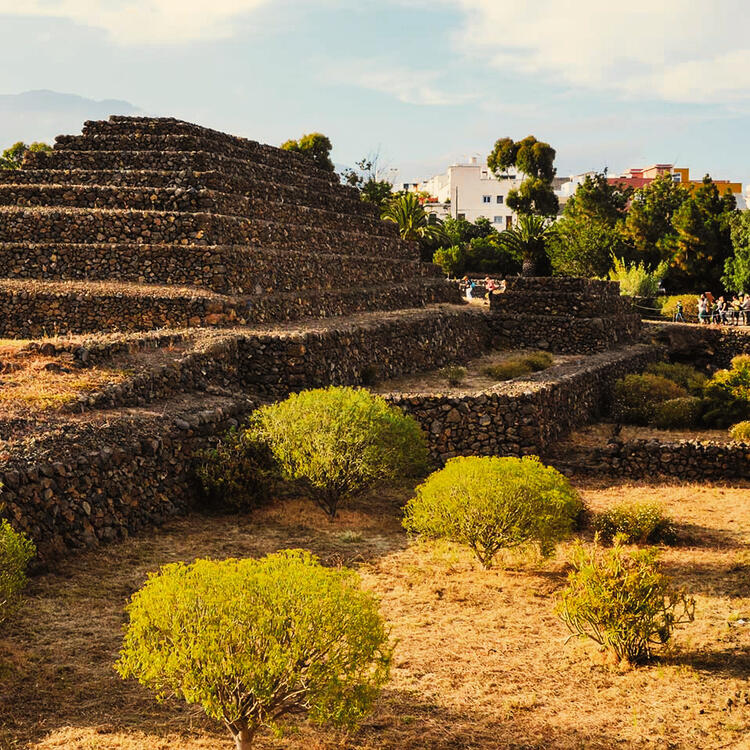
x: 143, y: 21
x: 678, y: 50
x: 409, y: 86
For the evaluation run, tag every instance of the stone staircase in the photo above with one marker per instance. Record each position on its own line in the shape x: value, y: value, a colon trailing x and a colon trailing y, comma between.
x: 144, y: 223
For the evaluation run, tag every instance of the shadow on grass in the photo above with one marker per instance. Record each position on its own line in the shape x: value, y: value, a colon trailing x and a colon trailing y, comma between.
x: 731, y: 663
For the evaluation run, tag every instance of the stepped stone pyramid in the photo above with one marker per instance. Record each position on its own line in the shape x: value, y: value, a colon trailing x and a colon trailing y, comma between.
x: 143, y: 223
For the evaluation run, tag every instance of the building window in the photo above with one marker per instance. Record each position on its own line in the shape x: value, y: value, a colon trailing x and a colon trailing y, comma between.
x: 461, y: 216
x: 676, y: 177
x: 486, y: 199
x: 497, y: 220
x: 500, y: 199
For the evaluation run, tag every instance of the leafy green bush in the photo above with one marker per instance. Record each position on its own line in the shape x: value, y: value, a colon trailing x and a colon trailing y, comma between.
x: 636, y: 396
x: 493, y: 503
x: 622, y: 601
x: 727, y: 395
x: 668, y: 306
x: 538, y: 360
x: 691, y: 379
x: 678, y: 413
x: 16, y: 550
x: 740, y: 432
x: 253, y: 641
x: 452, y: 260
x: 511, y: 368
x: 238, y: 471
x: 336, y: 442
x: 454, y: 375
x: 637, y: 280
x: 636, y: 523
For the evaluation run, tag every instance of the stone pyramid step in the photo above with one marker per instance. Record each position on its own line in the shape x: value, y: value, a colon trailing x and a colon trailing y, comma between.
x: 248, y: 186
x: 235, y: 149
x: 47, y: 308
x: 178, y: 161
x: 140, y: 128
x: 189, y: 200
x: 42, y: 224
x: 228, y: 269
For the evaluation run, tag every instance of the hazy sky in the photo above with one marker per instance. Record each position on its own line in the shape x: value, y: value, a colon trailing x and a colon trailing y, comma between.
x: 426, y: 81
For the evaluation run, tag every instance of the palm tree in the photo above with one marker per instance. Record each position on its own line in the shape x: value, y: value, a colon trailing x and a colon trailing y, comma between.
x: 406, y: 211
x: 528, y: 240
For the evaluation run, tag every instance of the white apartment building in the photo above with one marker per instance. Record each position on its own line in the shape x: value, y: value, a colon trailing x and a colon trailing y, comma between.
x: 470, y: 191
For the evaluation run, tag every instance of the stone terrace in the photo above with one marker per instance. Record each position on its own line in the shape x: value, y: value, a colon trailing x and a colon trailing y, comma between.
x: 93, y: 233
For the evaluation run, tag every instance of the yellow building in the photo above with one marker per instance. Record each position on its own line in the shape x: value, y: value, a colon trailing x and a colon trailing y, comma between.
x: 637, y: 178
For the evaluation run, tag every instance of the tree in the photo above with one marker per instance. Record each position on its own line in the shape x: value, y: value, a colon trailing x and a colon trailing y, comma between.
x: 12, y: 157
x: 535, y: 159
x: 316, y: 147
x: 16, y: 551
x: 369, y: 179
x: 491, y: 503
x: 736, y: 276
x: 528, y: 240
x: 413, y: 222
x: 590, y: 231
x: 255, y: 641
x: 704, y: 241
x: 649, y: 223
x: 337, y: 442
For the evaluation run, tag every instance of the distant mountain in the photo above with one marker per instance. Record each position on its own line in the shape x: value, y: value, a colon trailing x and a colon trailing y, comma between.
x: 42, y: 115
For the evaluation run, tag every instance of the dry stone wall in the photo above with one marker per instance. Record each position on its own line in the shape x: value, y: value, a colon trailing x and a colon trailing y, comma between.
x: 563, y: 315
x: 523, y: 417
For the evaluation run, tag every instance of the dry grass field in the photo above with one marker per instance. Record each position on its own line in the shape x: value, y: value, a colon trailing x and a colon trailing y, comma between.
x: 481, y: 660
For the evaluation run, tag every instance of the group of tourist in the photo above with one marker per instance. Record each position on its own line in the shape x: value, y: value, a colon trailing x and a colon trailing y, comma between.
x: 720, y: 311
x: 473, y: 290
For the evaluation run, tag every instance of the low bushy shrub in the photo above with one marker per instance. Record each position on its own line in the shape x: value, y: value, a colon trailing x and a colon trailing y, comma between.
x: 493, y: 503
x: 635, y: 397
x: 511, y: 368
x: 727, y: 395
x: 256, y: 641
x: 16, y: 551
x: 238, y: 471
x: 740, y: 432
x: 453, y: 374
x: 621, y: 600
x: 677, y: 413
x: 686, y: 376
x: 636, y: 523
x: 337, y: 442
x: 538, y: 360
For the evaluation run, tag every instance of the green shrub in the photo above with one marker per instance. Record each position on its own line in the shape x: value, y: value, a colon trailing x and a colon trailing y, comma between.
x: 636, y: 523
x: 622, y: 601
x: 336, y: 442
x: 677, y: 413
x: 453, y: 374
x: 452, y: 260
x: 740, y: 432
x: 668, y: 306
x: 636, y: 396
x: 238, y: 471
x: 727, y: 395
x: 636, y: 280
x: 684, y: 375
x: 538, y: 360
x: 253, y: 641
x: 511, y: 368
x: 16, y: 551
x: 493, y: 503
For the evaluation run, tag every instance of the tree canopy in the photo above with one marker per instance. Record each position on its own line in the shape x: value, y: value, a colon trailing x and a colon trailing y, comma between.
x: 315, y: 146
x: 736, y: 276
x: 535, y: 159
x: 12, y: 157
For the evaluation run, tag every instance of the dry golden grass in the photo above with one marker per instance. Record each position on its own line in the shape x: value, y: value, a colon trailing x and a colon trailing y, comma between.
x: 34, y: 388
x: 481, y: 660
